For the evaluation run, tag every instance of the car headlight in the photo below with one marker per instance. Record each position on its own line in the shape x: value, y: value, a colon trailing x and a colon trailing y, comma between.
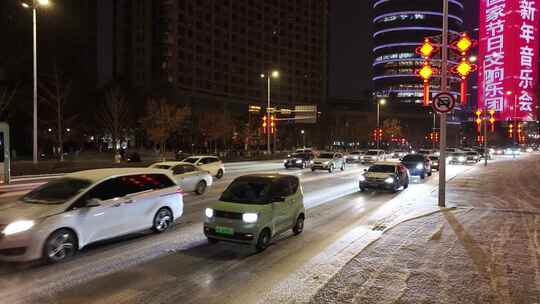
x: 326, y: 163
x: 475, y: 157
x: 250, y: 217
x: 362, y: 178
x: 311, y: 162
x: 298, y: 161
x: 209, y: 212
x: 435, y: 163
x: 419, y: 166
x: 389, y: 180
x: 461, y: 159
x: 18, y: 226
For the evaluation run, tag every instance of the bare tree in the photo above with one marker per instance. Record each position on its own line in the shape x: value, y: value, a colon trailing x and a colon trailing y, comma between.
x: 214, y: 126
x: 392, y: 127
x: 54, y: 94
x: 162, y: 119
x: 113, y: 114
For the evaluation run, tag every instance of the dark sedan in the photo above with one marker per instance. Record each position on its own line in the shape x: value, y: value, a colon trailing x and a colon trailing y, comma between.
x: 299, y: 160
x: 418, y: 165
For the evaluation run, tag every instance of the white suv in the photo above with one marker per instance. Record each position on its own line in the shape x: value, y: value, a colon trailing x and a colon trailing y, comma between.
x: 373, y: 156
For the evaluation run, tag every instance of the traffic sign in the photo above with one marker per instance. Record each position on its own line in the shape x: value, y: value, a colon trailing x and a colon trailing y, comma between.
x: 443, y: 102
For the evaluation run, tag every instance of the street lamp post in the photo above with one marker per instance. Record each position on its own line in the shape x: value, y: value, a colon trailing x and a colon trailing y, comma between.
x: 273, y: 74
x: 379, y: 103
x: 35, y: 4
x: 303, y: 137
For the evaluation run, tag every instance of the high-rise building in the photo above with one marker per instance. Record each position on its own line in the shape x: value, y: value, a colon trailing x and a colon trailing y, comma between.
x: 217, y: 50
x: 400, y: 26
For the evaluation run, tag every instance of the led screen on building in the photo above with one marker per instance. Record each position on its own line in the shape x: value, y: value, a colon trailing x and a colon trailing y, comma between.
x: 508, y: 58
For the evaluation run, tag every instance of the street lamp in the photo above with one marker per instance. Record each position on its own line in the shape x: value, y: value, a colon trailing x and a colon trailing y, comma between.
x: 273, y: 74
x: 514, y: 117
x: 303, y: 137
x: 34, y: 6
x: 379, y: 103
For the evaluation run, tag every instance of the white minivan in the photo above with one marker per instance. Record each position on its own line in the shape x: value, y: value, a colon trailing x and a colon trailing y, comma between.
x: 63, y: 216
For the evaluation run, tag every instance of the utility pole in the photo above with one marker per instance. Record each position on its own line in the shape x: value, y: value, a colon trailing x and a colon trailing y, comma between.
x: 444, y: 84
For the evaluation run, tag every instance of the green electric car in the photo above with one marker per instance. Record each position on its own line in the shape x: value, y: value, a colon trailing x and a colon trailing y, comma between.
x: 255, y: 208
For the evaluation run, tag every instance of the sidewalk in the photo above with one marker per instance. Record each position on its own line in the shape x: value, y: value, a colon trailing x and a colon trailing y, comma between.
x: 485, y: 251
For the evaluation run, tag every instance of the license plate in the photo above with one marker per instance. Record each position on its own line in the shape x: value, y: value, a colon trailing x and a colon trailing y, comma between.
x: 225, y: 230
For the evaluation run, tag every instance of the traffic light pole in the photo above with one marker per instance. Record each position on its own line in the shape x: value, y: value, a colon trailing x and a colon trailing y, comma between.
x: 268, y: 128
x: 444, y: 84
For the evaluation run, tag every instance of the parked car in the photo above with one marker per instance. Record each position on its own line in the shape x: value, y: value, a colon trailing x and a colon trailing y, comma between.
x: 329, y: 161
x: 373, y: 156
x: 211, y: 164
x: 385, y: 176
x: 457, y: 158
x: 434, y: 162
x: 256, y: 208
x: 63, y: 216
x: 418, y: 165
x: 354, y: 156
x: 299, y: 160
x: 189, y: 177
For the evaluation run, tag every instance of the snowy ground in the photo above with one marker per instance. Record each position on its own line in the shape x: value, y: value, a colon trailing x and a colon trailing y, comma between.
x: 485, y: 251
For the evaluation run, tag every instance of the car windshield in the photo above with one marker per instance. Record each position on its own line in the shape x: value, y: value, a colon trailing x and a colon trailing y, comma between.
x: 166, y: 167
x: 326, y: 155
x: 413, y: 158
x: 382, y: 169
x: 372, y: 153
x: 471, y: 153
x: 57, y: 192
x: 301, y: 155
x: 458, y: 154
x: 191, y: 160
x: 247, y: 192
x: 355, y: 153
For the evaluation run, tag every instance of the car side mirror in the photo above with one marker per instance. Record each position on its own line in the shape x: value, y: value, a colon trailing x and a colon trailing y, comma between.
x: 93, y: 202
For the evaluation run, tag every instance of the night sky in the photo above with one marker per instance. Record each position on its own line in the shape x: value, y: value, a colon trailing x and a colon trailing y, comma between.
x: 350, y: 45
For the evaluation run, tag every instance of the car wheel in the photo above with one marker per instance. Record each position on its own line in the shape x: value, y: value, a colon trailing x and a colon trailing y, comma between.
x: 201, y: 187
x: 331, y: 169
x: 163, y: 220
x: 286, y: 167
x: 263, y: 241
x: 219, y: 174
x: 406, y: 185
x: 343, y: 167
x: 299, y: 225
x: 429, y: 172
x: 312, y: 169
x: 423, y: 175
x: 212, y: 240
x: 394, y: 189
x: 60, y: 246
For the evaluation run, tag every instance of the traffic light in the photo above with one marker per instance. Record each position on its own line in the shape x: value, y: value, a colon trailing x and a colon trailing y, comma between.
x: 426, y: 50
x: 492, y: 120
x: 272, y: 124
x: 264, y: 124
x: 478, y: 120
x: 510, y: 130
x: 462, y: 45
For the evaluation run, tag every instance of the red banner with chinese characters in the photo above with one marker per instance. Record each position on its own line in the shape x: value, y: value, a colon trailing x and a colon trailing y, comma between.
x: 508, y: 58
